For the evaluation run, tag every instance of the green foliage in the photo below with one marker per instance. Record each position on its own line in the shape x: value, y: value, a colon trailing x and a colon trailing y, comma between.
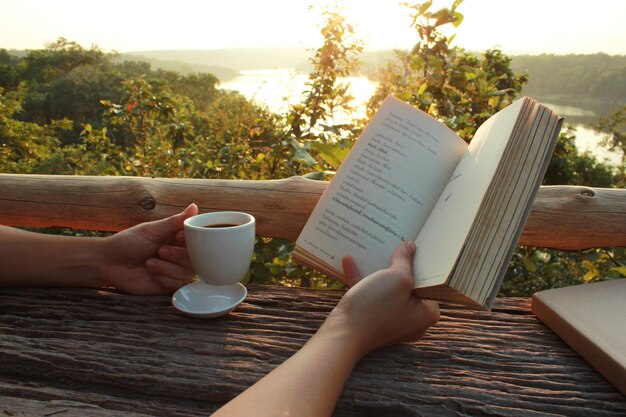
x: 152, y: 122
x: 237, y: 142
x: 272, y: 264
x: 61, y: 80
x: 9, y: 76
x: 455, y: 86
x: 569, y: 166
x: 312, y: 132
x: 23, y: 145
x: 537, y: 269
x: 317, y: 142
x: 615, y: 127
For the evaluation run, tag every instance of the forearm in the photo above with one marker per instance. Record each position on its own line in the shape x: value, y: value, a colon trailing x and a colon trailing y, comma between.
x: 307, y: 384
x: 34, y: 259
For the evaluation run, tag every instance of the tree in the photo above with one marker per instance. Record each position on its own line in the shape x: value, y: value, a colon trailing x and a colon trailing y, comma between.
x: 237, y: 140
x: 151, y: 123
x: 457, y: 87
x: 9, y: 76
x: 24, y: 144
x: 568, y: 166
x: 40, y: 69
x: 202, y: 89
x: 311, y: 123
x: 614, y: 126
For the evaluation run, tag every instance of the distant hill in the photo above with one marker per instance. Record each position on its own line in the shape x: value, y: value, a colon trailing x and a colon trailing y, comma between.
x: 226, y: 63
x: 181, y: 66
x: 236, y: 59
x: 596, y: 80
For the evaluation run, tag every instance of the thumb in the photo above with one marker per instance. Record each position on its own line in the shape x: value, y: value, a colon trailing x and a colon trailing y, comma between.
x: 350, y: 271
x: 402, y: 258
x: 169, y: 226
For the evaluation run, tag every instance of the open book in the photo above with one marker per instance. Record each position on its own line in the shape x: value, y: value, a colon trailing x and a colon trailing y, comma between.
x: 409, y: 177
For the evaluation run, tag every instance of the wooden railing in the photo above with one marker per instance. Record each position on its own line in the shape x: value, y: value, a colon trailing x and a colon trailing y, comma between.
x: 563, y: 217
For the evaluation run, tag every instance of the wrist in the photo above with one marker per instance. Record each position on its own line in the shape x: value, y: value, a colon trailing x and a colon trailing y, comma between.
x: 100, y: 251
x: 83, y: 263
x: 100, y: 276
x: 342, y: 334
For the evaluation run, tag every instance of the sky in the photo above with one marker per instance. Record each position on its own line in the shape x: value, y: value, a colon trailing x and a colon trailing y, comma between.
x: 515, y: 27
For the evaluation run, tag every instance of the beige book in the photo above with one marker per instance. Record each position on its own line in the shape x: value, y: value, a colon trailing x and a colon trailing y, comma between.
x: 591, y: 319
x: 409, y: 177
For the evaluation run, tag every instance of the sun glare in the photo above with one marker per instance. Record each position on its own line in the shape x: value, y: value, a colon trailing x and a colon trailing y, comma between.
x: 536, y: 26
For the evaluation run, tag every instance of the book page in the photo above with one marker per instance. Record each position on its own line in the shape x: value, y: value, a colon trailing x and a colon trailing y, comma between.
x: 442, y: 238
x: 384, y: 190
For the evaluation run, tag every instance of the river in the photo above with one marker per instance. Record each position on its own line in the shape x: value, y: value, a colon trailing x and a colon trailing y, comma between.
x: 277, y: 88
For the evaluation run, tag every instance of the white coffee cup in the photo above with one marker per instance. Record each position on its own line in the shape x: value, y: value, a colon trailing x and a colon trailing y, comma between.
x: 220, y: 245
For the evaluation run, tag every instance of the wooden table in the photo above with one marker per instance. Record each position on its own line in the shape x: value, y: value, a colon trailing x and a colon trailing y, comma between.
x: 75, y: 352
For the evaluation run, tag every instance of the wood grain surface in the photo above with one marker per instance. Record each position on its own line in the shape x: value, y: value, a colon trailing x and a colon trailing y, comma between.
x: 75, y: 352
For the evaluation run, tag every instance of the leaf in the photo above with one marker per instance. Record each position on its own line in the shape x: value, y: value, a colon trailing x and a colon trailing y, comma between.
x: 592, y: 269
x: 422, y: 8
x: 620, y: 269
x: 458, y: 19
x: 304, y: 157
x: 333, y: 129
x: 319, y: 176
x: 332, y: 153
x: 529, y: 265
x: 255, y: 131
x: 280, y: 262
x: 302, y: 154
x: 469, y: 76
x: 422, y: 89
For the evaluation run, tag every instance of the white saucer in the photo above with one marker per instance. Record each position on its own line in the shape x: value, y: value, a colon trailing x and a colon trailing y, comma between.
x: 199, y: 299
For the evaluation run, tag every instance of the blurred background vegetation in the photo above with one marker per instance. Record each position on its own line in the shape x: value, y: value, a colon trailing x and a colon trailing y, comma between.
x: 65, y: 109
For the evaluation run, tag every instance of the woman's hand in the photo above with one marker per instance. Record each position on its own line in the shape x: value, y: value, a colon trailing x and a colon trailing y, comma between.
x: 380, y: 309
x: 149, y: 258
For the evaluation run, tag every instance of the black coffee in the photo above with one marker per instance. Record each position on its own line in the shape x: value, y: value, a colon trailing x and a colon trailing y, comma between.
x: 221, y: 225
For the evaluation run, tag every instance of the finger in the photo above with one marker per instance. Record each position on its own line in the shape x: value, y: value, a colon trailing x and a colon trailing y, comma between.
x: 350, y: 271
x: 429, y: 316
x: 431, y: 311
x: 170, y: 285
x: 402, y: 258
x: 168, y: 269
x: 164, y: 229
x: 175, y: 254
x: 179, y: 239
